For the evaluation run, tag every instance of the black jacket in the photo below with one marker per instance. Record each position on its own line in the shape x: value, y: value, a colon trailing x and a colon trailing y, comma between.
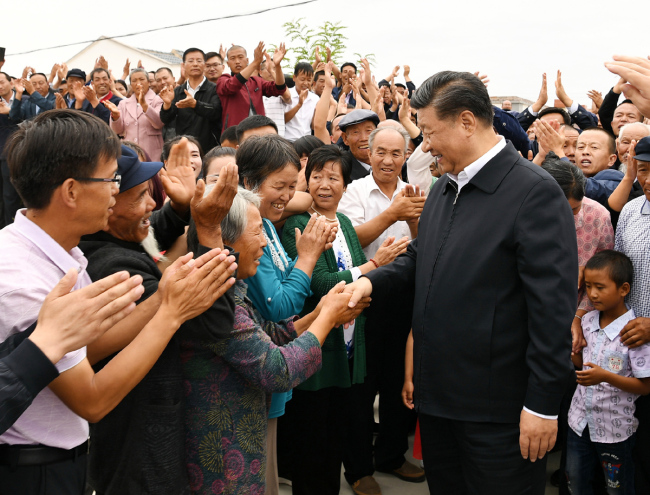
x: 495, y: 271
x: 138, y: 448
x: 202, y: 122
x: 24, y: 372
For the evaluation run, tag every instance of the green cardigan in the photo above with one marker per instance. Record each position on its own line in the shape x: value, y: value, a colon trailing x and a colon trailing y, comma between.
x: 335, y: 371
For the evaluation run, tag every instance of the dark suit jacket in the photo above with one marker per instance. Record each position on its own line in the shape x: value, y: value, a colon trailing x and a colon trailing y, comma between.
x: 139, y: 446
x: 203, y: 121
x: 26, y: 107
x: 495, y: 270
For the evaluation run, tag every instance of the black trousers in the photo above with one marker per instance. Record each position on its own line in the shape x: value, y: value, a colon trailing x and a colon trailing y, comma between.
x: 642, y: 446
x: 313, y: 431
x: 467, y: 458
x: 60, y: 478
x: 10, y: 200
x: 386, y: 332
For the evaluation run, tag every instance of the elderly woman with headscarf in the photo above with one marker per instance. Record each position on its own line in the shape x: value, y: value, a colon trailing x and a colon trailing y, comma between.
x: 229, y: 382
x: 138, y: 447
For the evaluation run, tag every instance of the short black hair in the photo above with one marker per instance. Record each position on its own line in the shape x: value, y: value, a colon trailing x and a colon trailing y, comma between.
x: 39, y: 74
x: 260, y: 156
x: 6, y: 75
x: 55, y: 146
x: 570, y: 178
x: 566, y: 118
x: 167, y: 147
x: 254, y: 122
x: 123, y: 83
x: 229, y: 134
x: 317, y: 74
x: 190, y: 50
x: 306, y: 144
x: 304, y: 67
x: 451, y: 93
x: 384, y: 84
x: 97, y: 70
x: 618, y: 264
x: 210, y: 55
x: 611, y: 140
x: 349, y: 64
x: 165, y: 68
x: 329, y: 153
x: 216, y: 152
x: 631, y: 103
x: 400, y: 85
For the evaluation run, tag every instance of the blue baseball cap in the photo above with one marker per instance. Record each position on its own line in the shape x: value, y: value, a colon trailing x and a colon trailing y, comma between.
x: 642, y: 150
x: 133, y: 171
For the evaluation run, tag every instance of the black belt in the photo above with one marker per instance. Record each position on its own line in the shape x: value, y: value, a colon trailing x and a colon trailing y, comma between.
x: 35, y: 455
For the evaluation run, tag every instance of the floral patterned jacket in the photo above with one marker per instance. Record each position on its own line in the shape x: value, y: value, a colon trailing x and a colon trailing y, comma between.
x: 228, y: 386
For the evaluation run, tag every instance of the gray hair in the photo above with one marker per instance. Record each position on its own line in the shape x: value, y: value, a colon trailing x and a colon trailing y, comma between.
x: 626, y: 126
x: 134, y: 71
x: 234, y: 224
x: 401, y: 131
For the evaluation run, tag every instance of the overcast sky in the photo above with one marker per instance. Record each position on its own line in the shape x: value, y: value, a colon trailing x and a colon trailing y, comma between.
x: 513, y: 42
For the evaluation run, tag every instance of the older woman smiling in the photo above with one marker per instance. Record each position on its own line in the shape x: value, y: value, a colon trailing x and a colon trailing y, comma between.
x: 317, y: 446
x: 229, y: 381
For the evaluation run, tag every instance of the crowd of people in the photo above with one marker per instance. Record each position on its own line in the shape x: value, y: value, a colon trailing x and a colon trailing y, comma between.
x: 207, y: 282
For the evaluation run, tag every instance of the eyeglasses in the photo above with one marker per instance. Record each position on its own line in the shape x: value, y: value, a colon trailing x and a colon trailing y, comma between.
x: 117, y: 179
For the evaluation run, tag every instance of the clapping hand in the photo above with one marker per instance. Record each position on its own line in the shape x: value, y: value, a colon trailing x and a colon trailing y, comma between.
x: 167, y: 96
x: 60, y: 101
x: 115, y: 113
x: 258, y: 54
x: 311, y: 243
x: 187, y: 102
x: 178, y: 177
x: 561, y: 92
x: 29, y: 87
x: 635, y: 71
x: 278, y: 54
x: 208, y: 211
x: 597, y: 98
x: 391, y: 249
x: 4, y: 108
x: 90, y: 95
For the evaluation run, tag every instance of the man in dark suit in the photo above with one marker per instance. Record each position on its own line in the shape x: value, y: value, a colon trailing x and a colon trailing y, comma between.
x: 39, y: 98
x: 495, y: 272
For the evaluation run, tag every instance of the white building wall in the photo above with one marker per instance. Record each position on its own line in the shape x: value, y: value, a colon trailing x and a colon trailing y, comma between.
x: 116, y: 54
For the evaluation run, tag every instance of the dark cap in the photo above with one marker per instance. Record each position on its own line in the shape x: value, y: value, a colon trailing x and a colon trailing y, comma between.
x: 76, y: 73
x: 358, y: 116
x: 133, y: 171
x: 642, y: 150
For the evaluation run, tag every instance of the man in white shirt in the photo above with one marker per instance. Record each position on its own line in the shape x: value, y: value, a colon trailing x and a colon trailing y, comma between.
x: 381, y: 205
x: 299, y: 114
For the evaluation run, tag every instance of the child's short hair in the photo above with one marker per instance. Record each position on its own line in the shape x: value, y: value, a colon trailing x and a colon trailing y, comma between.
x: 619, y: 266
x: 305, y: 68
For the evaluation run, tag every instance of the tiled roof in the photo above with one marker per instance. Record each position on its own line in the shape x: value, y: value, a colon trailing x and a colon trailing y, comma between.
x: 166, y: 56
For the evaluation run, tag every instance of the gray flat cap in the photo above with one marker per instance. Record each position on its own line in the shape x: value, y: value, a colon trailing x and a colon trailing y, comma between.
x: 358, y: 116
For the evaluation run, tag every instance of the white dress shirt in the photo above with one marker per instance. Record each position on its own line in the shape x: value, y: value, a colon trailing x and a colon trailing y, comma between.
x: 192, y: 91
x: 363, y: 201
x: 300, y: 124
x: 465, y: 175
